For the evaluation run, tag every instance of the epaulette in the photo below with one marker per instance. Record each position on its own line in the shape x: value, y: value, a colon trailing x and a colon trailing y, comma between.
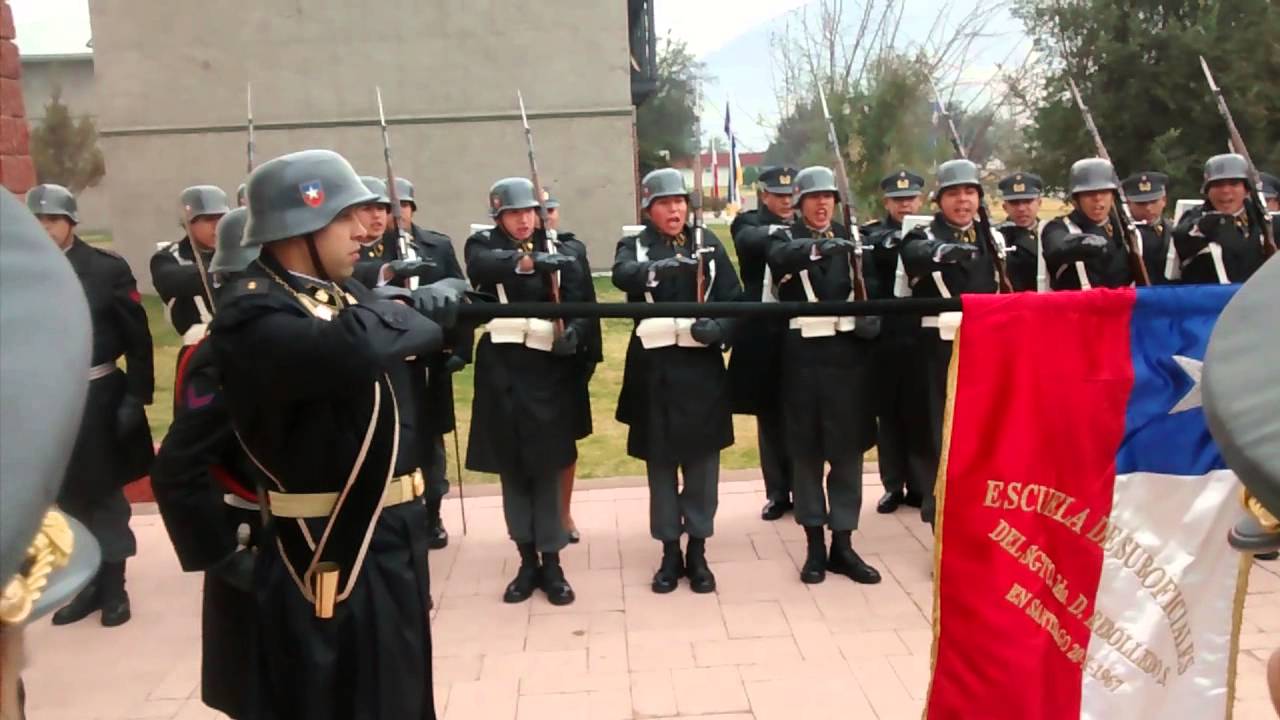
x: 248, y: 286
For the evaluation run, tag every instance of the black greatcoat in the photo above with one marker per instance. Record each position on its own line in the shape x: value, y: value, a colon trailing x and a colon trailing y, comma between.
x: 1022, y: 256
x: 591, y: 349
x: 436, y: 412
x: 199, y: 461
x: 101, y: 462
x: 675, y: 400
x: 1241, y: 244
x: 828, y: 402
x: 524, y: 415
x: 756, y: 362
x: 317, y: 404
x: 1110, y: 270
x: 1156, y: 238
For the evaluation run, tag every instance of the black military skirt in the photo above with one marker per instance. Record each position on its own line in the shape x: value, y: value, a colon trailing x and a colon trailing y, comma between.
x: 828, y: 403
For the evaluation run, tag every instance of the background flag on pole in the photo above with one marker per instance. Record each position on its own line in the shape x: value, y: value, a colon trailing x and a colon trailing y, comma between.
x: 715, y: 170
x: 731, y: 195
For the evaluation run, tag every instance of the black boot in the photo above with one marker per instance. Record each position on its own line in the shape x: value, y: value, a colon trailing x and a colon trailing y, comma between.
x: 774, y: 509
x: 671, y: 570
x: 814, y: 570
x: 527, y: 577
x: 701, y: 579
x: 553, y: 582
x: 112, y: 596
x: 82, y: 606
x: 437, y: 536
x: 844, y: 561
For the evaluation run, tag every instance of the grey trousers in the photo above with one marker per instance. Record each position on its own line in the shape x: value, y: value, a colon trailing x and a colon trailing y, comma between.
x: 531, y: 506
x: 843, y: 492
x: 437, y: 470
x: 677, y: 507
x: 107, y: 518
x: 775, y: 461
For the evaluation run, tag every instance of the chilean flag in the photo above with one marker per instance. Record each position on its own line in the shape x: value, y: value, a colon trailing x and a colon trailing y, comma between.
x: 1083, y: 569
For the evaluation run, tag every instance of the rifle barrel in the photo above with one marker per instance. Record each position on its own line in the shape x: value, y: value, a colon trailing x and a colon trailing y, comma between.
x: 542, y: 205
x: 249, y: 105
x: 846, y: 199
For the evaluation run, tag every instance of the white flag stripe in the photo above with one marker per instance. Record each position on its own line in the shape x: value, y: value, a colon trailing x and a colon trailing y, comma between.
x: 1170, y: 527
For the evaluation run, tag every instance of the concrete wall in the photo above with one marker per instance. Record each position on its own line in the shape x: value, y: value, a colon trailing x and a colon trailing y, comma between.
x: 172, y: 102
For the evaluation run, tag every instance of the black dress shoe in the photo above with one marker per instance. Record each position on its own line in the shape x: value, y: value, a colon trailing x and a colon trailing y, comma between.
x: 844, y: 561
x: 814, y: 570
x: 82, y: 606
x: 1268, y: 555
x: 774, y: 509
x: 913, y: 499
x: 889, y: 502
x: 521, y: 588
x: 115, y: 611
x: 701, y: 579
x: 438, y: 537
x: 575, y: 537
x: 671, y: 570
x: 553, y: 582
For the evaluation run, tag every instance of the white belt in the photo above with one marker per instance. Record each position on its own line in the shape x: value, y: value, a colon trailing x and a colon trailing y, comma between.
x: 235, y: 501
x: 663, y: 332
x: 947, y: 324
x: 821, y: 325
x: 533, y: 333
x: 100, y: 371
x: 195, y: 334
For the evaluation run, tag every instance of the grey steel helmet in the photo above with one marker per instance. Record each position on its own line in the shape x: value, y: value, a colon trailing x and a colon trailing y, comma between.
x: 377, y: 186
x: 1228, y: 166
x: 300, y: 193
x: 230, y: 255
x: 1092, y: 174
x: 664, y: 182
x: 548, y: 200
x: 513, y: 193
x: 404, y: 193
x: 50, y: 199
x: 957, y: 173
x: 199, y: 200
x: 813, y: 180
x: 241, y: 198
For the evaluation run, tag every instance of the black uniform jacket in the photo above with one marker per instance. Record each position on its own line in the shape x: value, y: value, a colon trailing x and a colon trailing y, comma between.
x: 176, y: 277
x: 675, y: 400
x: 1240, y: 241
x: 756, y: 359
x: 976, y: 275
x: 102, y: 461
x: 1022, y: 247
x: 1108, y: 270
x: 524, y: 415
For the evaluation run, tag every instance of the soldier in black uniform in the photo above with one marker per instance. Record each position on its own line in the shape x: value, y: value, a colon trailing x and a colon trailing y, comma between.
x: 590, y: 353
x: 1020, y: 193
x: 424, y: 258
x: 114, y: 446
x: 1147, y: 196
x: 828, y: 403
x: 944, y: 259
x: 180, y: 270
x: 675, y: 396
x: 1084, y: 249
x: 1271, y: 192
x: 755, y: 365
x: 527, y: 379
x: 1220, y: 241
x: 206, y: 489
x: 316, y: 380
x: 892, y: 356
x: 374, y: 216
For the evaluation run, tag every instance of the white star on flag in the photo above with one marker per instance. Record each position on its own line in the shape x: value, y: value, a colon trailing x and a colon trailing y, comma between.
x: 1192, y: 368
x: 312, y: 193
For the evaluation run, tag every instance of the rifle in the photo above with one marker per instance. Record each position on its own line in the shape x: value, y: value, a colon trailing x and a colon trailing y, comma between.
x: 996, y: 248
x: 1255, y: 205
x: 1120, y: 207
x: 846, y: 200
x: 249, y: 103
x: 695, y: 201
x: 404, y: 233
x: 542, y: 206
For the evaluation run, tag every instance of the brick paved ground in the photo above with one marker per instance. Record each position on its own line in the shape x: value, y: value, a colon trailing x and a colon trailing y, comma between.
x: 620, y: 651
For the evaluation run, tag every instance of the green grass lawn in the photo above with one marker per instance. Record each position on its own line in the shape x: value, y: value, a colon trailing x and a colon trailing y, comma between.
x: 601, y: 455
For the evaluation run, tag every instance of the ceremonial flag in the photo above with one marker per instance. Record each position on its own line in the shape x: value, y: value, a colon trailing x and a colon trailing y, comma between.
x: 731, y: 195
x: 1083, y: 569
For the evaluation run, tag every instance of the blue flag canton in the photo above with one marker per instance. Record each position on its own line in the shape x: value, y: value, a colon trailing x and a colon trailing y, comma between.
x: 1165, y: 430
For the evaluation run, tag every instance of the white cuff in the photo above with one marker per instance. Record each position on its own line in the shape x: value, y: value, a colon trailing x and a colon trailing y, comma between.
x: 814, y: 254
x: 653, y: 279
x: 382, y: 275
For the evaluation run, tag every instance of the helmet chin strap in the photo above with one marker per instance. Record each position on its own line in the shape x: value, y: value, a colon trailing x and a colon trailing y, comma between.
x: 315, y: 258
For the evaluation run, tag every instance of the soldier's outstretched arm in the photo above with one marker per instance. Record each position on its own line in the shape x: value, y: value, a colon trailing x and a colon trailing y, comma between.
x: 486, y: 265
x: 172, y: 279
x: 132, y: 317
x: 918, y: 250
x: 629, y: 274
x: 788, y: 255
x: 752, y: 240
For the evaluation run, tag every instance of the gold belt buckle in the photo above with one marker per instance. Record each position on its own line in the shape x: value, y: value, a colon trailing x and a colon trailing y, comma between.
x: 419, y: 483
